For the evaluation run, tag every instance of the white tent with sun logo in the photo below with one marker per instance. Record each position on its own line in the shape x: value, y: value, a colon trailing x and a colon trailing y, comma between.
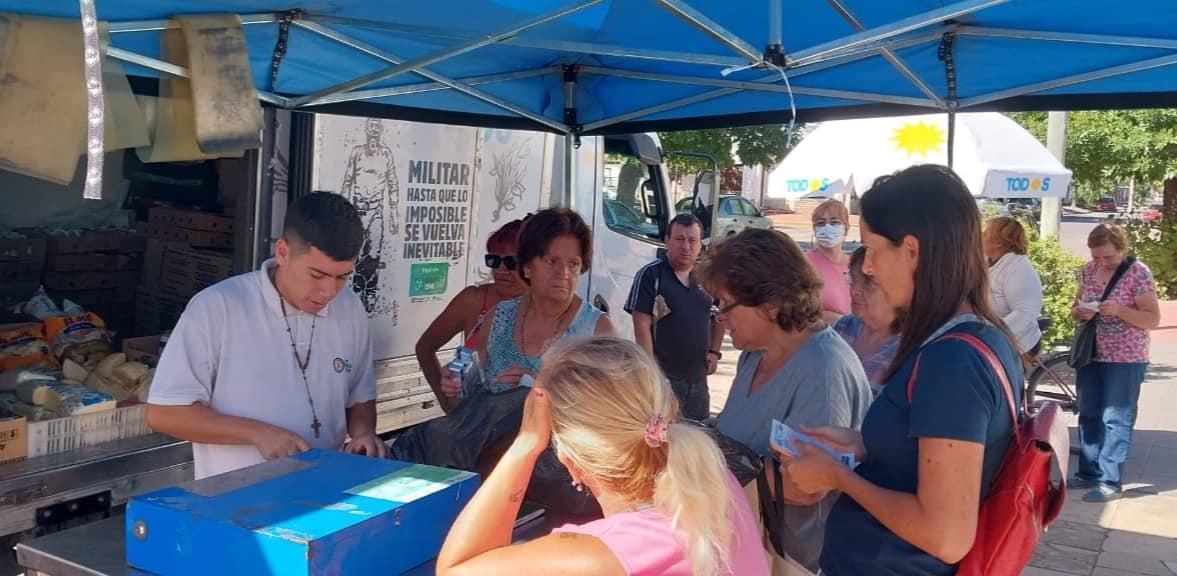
x: 995, y: 157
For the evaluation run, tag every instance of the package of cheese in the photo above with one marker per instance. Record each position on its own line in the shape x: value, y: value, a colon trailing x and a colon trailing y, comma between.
x: 22, y: 345
x: 65, y: 399
x: 11, y: 404
x: 145, y: 385
x: 112, y: 386
x: 10, y: 380
x: 129, y: 375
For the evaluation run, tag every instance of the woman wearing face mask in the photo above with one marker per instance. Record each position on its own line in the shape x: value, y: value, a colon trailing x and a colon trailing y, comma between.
x: 831, y: 262
x: 467, y: 312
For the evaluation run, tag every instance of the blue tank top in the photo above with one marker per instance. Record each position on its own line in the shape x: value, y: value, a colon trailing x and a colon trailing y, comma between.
x: 503, y: 353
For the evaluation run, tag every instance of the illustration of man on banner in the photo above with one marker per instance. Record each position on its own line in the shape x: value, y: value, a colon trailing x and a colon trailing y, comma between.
x: 370, y: 183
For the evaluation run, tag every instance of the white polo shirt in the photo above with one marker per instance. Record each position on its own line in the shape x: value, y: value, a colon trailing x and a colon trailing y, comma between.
x: 231, y: 352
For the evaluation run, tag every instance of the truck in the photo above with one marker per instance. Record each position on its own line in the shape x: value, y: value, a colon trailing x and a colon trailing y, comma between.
x: 430, y: 195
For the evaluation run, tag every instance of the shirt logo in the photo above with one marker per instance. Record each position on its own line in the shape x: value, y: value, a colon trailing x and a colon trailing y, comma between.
x: 341, y: 365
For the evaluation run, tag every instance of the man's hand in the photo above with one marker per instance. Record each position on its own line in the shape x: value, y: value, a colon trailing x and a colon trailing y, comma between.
x: 274, y: 442
x: 367, y: 445
x: 712, y: 363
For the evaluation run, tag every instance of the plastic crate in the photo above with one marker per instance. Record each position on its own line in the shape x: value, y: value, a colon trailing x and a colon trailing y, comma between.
x: 66, y: 434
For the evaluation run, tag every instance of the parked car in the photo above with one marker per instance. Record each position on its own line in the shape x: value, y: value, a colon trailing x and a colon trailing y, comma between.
x: 1026, y: 207
x: 1152, y: 213
x: 1105, y: 204
x: 991, y: 208
x: 736, y: 213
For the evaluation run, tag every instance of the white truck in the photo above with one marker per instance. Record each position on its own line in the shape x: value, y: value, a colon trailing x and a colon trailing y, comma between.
x: 430, y: 195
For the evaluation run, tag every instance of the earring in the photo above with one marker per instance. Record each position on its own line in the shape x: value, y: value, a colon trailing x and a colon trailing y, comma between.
x: 579, y: 487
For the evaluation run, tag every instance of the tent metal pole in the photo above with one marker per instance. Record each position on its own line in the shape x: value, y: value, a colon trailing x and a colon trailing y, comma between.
x: 456, y: 85
x: 951, y: 136
x: 463, y: 48
x: 793, y: 73
x: 890, y: 56
x: 712, y: 28
x: 540, y: 43
x: 571, y: 73
x: 158, y: 25
x: 1042, y: 35
x: 758, y: 86
x: 435, y: 86
x: 1113, y: 71
x: 895, y: 28
x: 178, y: 71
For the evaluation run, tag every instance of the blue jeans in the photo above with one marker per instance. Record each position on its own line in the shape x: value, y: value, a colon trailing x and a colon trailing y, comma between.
x: 1107, y: 413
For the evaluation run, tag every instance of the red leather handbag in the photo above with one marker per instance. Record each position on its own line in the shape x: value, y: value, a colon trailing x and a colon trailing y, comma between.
x: 1029, y: 489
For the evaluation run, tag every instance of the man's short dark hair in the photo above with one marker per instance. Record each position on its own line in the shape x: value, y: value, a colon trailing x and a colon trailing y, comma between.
x: 326, y: 221
x: 686, y: 220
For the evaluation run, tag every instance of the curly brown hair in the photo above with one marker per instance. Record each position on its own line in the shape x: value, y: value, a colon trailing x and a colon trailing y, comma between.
x: 759, y: 267
x: 543, y: 227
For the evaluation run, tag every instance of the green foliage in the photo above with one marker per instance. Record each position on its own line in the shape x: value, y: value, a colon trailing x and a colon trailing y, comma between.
x: 1110, y: 147
x: 1156, y: 245
x: 755, y: 145
x: 1059, y: 271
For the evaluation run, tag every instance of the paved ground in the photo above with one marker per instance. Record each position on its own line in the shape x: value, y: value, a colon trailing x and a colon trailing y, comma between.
x: 1136, y: 536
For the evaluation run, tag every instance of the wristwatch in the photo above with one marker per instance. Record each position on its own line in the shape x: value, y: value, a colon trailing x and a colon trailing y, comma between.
x: 718, y: 354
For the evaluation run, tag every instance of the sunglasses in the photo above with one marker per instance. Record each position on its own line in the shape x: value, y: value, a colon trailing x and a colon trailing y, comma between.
x: 494, y: 261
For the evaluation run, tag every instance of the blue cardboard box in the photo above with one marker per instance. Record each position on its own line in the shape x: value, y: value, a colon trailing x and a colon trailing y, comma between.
x: 314, y: 514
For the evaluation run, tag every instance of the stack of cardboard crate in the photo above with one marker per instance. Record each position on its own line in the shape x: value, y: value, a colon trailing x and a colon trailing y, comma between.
x: 187, y: 251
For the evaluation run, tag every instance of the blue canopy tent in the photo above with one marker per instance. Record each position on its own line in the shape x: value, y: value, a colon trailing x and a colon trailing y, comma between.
x: 615, y: 66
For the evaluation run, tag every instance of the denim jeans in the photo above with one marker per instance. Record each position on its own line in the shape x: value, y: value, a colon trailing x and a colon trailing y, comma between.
x: 1107, y: 413
x: 694, y: 398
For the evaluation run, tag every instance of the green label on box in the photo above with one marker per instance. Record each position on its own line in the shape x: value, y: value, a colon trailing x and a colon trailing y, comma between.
x: 428, y: 279
x: 410, y: 483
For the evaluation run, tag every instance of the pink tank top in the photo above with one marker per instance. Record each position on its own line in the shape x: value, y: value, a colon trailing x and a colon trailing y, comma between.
x: 646, y: 544
x: 835, y: 295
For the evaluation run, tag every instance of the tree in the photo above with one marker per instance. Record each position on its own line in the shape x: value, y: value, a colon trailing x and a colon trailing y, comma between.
x: 1107, y: 148
x: 755, y: 145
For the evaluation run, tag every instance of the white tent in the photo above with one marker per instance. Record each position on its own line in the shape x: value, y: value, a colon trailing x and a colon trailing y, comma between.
x: 995, y: 156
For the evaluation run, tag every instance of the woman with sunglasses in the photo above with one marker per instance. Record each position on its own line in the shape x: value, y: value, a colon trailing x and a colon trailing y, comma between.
x: 794, y: 368
x: 872, y: 327
x: 467, y: 312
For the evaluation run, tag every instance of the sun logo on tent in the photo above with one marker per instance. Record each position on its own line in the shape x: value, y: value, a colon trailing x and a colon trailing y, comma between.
x: 919, y: 138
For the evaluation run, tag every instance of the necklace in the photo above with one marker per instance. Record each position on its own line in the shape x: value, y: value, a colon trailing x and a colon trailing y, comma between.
x: 555, y: 330
x: 303, y: 363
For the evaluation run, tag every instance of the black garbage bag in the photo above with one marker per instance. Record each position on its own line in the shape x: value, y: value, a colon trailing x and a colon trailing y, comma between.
x: 551, y: 487
x: 460, y: 439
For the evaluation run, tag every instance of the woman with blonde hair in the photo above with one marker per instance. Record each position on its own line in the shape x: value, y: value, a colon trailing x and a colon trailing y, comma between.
x: 671, y: 507
x: 831, y: 220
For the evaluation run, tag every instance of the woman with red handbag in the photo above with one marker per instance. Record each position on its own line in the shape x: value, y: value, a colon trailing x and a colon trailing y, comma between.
x: 935, y: 438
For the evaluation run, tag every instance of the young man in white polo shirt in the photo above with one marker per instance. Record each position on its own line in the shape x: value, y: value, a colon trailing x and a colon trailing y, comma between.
x: 275, y: 362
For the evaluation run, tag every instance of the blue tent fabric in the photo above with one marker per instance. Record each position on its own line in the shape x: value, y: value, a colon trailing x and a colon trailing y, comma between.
x: 639, y: 65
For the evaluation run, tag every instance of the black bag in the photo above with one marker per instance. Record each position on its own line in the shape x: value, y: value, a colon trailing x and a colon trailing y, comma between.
x: 1083, y: 345
x: 457, y: 440
x: 772, y: 509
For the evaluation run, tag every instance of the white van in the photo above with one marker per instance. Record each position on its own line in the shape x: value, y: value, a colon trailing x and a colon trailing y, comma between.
x: 430, y: 196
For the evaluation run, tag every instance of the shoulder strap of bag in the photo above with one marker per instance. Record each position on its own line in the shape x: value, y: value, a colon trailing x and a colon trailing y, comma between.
x: 1120, y: 271
x: 994, y: 364
x: 772, y: 511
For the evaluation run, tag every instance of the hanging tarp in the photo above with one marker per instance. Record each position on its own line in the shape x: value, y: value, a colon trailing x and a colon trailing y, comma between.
x: 635, y: 65
x: 995, y: 156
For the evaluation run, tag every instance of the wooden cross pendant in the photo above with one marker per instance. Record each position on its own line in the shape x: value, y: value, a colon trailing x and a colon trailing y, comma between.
x: 316, y: 425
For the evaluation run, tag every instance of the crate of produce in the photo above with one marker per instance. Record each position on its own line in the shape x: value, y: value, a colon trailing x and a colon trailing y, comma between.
x: 70, y: 433
x: 190, y: 219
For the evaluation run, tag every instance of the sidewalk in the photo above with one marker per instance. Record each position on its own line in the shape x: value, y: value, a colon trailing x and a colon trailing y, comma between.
x: 1135, y: 536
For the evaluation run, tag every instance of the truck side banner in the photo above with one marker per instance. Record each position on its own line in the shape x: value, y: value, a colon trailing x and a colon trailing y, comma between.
x: 510, y: 180
x: 413, y: 186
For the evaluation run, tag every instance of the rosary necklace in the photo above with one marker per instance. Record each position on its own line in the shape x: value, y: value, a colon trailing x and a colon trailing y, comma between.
x: 303, y: 363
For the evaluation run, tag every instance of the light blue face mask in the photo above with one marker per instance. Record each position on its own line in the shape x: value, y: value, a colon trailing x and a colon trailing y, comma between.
x: 829, y: 235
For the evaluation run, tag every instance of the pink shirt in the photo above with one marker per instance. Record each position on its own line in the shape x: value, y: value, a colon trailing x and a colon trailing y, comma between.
x: 646, y: 544
x: 1116, y: 341
x: 835, y: 295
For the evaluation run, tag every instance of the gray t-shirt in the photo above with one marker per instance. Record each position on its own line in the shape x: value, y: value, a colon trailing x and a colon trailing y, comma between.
x: 823, y: 384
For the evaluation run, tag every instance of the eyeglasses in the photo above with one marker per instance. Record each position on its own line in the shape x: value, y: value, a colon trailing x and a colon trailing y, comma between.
x: 718, y: 311
x: 494, y: 261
